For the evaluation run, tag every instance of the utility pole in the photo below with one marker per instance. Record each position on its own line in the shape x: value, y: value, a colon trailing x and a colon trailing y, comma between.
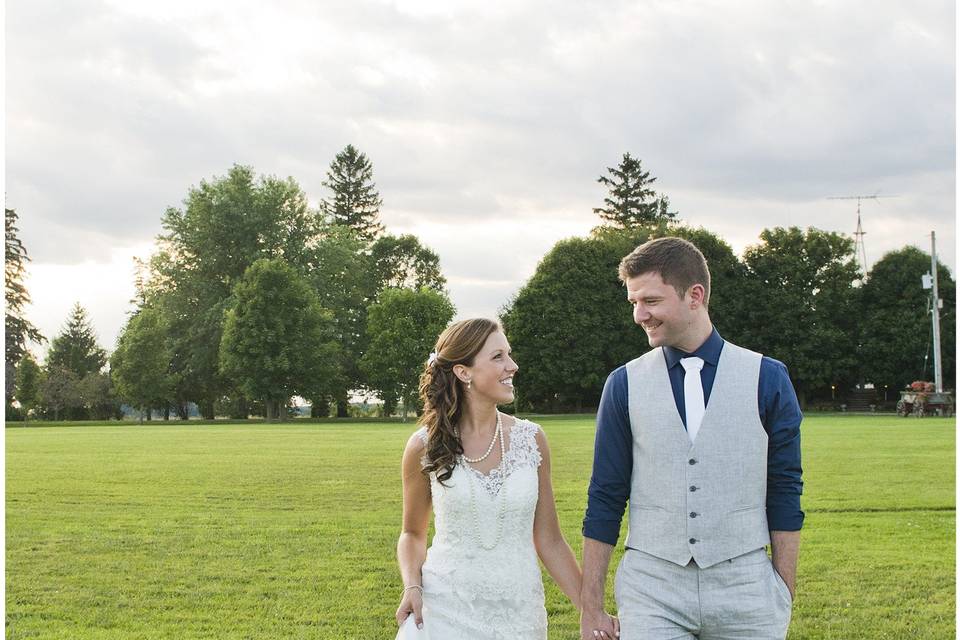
x: 937, y: 364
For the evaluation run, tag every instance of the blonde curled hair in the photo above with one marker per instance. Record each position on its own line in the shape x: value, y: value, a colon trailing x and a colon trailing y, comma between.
x: 442, y: 392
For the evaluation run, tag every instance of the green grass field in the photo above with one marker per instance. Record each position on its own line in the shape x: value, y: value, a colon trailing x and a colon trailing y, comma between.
x: 288, y: 531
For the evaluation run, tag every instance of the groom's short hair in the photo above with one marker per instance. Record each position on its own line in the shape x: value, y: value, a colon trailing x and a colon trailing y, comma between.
x: 678, y: 261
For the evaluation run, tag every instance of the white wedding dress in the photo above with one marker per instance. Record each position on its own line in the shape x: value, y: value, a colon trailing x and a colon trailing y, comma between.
x: 481, y: 578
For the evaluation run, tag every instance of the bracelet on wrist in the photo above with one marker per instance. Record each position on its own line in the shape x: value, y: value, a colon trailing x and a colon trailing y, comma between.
x: 413, y: 586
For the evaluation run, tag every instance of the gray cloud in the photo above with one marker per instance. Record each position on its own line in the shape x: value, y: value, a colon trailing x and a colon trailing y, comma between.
x: 477, y: 114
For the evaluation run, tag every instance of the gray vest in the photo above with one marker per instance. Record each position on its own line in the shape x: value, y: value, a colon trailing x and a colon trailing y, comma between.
x: 705, y: 500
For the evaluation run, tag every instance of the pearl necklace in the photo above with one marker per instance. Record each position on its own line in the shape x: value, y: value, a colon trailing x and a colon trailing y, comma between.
x: 503, y: 495
x: 497, y: 433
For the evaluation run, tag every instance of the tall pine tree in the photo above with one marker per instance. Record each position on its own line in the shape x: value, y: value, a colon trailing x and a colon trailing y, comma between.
x: 76, y: 349
x: 355, y: 201
x: 631, y: 202
x: 17, y: 329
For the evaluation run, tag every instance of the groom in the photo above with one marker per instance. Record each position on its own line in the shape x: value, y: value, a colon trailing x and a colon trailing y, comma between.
x: 703, y: 438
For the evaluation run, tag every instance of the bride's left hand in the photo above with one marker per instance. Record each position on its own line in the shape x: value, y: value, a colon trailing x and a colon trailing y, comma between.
x: 411, y: 604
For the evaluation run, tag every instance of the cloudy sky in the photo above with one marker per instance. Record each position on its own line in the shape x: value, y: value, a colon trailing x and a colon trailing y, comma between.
x: 487, y: 122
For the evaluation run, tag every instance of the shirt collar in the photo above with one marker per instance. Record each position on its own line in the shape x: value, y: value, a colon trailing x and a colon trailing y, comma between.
x: 709, y: 351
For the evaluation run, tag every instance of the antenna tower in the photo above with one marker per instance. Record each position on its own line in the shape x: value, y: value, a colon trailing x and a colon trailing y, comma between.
x: 860, y: 251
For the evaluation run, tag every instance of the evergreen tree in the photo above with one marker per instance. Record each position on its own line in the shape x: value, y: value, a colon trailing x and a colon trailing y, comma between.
x: 631, y: 202
x: 76, y: 348
x: 17, y: 330
x: 355, y: 202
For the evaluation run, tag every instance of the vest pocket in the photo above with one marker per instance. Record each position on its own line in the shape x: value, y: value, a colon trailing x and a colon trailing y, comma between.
x: 743, y: 509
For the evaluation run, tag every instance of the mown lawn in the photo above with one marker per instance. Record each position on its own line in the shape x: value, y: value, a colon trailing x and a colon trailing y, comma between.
x: 288, y: 531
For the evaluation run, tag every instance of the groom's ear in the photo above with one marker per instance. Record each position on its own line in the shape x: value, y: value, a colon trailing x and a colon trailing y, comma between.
x: 695, y: 295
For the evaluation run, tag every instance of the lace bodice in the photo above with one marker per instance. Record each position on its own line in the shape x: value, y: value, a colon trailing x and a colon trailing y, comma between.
x: 522, y: 452
x: 481, y: 571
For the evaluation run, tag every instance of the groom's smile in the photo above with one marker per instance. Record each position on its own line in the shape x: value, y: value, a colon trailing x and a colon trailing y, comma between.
x: 657, y: 308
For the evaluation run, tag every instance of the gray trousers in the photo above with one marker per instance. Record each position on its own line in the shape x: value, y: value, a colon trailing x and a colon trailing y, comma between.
x: 739, y: 599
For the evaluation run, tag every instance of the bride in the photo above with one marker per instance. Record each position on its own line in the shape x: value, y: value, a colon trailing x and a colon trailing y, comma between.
x: 486, y: 476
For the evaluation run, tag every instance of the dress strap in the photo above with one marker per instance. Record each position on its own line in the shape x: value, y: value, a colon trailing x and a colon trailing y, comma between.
x: 523, y: 443
x: 422, y: 434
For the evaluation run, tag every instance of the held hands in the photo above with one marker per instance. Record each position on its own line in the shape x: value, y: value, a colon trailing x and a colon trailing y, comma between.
x: 598, y: 625
x: 411, y: 603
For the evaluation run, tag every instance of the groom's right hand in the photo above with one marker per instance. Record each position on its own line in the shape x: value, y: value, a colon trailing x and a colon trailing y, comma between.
x: 598, y: 625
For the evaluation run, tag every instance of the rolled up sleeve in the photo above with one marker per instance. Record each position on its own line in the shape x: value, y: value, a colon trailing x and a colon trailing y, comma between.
x: 781, y: 417
x: 609, y: 487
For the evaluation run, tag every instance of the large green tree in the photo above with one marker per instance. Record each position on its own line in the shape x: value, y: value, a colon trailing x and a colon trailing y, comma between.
x: 229, y: 222
x: 402, y: 327
x: 277, y: 340
x: 29, y: 382
x: 140, y: 365
x: 60, y: 391
x: 571, y: 324
x: 98, y: 397
x: 798, y: 305
x: 354, y: 200
x: 403, y: 262
x: 630, y: 200
x: 340, y: 277
x: 226, y: 224
x: 18, y: 331
x: 232, y: 221
x: 349, y: 275
x: 895, y: 322
x: 568, y: 325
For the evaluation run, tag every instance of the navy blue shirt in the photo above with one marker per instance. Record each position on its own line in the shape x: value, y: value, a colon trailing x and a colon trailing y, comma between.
x: 613, y: 450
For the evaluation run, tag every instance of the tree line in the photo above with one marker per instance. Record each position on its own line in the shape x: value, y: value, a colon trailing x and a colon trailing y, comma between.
x: 797, y: 295
x: 253, y: 298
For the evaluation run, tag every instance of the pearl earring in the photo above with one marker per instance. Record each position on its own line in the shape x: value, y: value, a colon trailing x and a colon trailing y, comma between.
x: 469, y: 384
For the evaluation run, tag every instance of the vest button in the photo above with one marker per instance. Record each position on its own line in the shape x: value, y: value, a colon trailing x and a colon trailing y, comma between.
x: 692, y: 488
x: 693, y: 461
x: 693, y: 541
x: 694, y: 514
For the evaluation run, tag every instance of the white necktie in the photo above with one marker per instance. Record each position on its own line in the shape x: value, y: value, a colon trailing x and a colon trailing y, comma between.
x: 693, y: 394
